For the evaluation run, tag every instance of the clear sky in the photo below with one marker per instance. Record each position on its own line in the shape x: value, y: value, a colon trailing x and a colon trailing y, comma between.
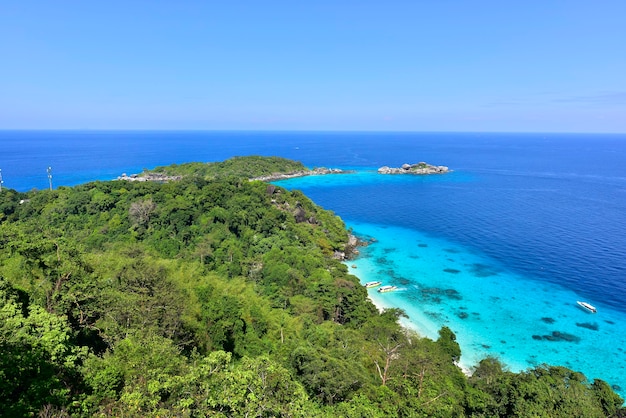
x: 412, y: 65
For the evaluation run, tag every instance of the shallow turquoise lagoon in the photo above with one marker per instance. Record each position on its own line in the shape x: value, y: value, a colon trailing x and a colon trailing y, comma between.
x: 492, y: 311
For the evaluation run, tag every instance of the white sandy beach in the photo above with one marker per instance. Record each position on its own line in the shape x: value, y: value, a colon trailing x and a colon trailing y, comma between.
x: 382, y: 304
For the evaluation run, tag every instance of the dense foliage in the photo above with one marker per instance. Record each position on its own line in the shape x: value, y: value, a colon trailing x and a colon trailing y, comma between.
x: 219, y: 296
x: 248, y: 167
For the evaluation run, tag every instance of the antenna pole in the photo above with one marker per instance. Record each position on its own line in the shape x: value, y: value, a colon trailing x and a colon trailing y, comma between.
x: 50, y: 176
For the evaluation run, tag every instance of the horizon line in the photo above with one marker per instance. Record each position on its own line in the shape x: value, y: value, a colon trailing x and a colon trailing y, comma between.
x: 306, y: 131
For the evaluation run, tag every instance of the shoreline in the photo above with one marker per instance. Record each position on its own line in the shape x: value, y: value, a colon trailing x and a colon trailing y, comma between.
x: 441, y: 283
x: 318, y: 171
x: 406, y: 323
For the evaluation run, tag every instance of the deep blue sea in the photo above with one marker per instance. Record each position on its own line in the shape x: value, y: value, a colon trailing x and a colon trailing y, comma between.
x: 499, y: 250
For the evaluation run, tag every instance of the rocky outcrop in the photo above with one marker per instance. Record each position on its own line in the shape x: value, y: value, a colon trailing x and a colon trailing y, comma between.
x: 419, y: 168
x: 149, y: 177
x: 351, y: 250
x: 314, y: 172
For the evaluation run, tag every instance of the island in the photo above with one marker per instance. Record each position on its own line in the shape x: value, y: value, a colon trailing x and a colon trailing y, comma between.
x: 255, y: 168
x: 420, y: 168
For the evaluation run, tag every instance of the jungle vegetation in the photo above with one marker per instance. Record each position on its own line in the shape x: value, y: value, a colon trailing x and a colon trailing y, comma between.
x: 219, y: 296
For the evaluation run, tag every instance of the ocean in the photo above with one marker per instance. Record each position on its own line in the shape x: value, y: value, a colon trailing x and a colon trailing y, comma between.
x: 500, y: 249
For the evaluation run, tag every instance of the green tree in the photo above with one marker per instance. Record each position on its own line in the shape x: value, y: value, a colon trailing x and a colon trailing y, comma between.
x: 39, y: 364
x: 447, y: 342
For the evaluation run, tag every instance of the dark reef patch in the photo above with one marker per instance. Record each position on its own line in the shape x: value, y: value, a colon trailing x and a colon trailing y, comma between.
x: 616, y: 388
x: 451, y: 250
x: 453, y: 294
x: 436, y: 294
x: 609, y: 322
x: 382, y: 261
x: 548, y: 320
x: 592, y: 326
x: 390, y: 273
x: 482, y: 270
x: 422, y: 245
x: 462, y: 315
x: 452, y: 271
x: 389, y: 250
x: 434, y: 315
x: 558, y: 336
x: 415, y: 257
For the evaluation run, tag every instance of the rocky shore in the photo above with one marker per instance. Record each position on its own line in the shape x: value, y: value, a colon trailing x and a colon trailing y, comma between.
x: 302, y: 173
x: 419, y: 168
x: 149, y: 177
x: 159, y: 177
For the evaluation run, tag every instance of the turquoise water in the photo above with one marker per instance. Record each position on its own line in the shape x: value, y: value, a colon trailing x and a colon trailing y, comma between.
x: 494, y: 311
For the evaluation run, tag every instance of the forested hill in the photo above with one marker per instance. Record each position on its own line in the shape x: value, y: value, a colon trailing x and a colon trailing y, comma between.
x: 247, y: 167
x: 214, y: 295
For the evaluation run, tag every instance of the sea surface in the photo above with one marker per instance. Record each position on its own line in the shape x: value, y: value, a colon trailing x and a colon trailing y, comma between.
x: 499, y: 250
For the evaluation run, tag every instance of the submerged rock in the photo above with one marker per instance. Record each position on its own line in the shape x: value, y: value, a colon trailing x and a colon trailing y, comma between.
x: 435, y: 294
x: 558, y: 336
x: 592, y: 326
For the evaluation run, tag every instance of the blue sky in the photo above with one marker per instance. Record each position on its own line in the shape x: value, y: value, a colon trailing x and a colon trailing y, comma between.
x: 419, y: 65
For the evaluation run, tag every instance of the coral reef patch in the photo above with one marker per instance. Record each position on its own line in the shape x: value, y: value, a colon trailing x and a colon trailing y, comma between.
x: 592, y: 326
x: 558, y: 336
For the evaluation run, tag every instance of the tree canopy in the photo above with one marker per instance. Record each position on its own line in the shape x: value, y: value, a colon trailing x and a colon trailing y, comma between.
x: 214, y: 295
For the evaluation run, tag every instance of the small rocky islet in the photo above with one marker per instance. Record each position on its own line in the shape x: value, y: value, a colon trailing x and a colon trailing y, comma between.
x: 420, y: 168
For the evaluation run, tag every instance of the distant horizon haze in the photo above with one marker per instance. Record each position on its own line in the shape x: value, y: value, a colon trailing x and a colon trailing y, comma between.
x: 483, y: 66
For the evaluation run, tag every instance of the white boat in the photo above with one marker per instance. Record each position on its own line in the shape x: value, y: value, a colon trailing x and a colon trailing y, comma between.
x: 373, y: 284
x: 587, y: 306
x: 384, y: 289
